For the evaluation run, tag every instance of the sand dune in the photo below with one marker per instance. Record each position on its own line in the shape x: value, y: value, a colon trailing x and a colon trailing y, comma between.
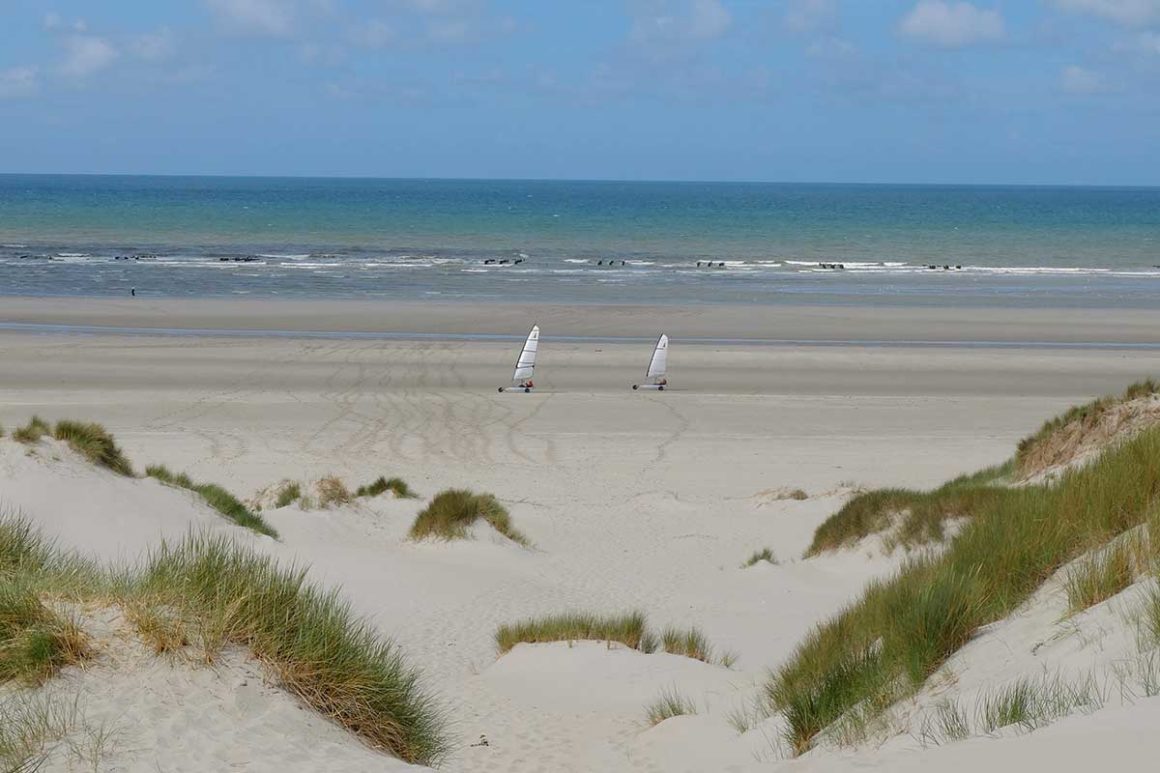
x: 630, y: 502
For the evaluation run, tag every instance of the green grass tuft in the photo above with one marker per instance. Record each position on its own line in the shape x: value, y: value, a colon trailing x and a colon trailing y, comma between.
x: 765, y: 554
x: 35, y: 642
x: 630, y: 630
x: 903, y: 629
x: 1101, y: 576
x: 289, y: 494
x: 670, y: 704
x: 691, y: 643
x: 1031, y: 703
x: 337, y: 663
x: 216, y: 497
x: 34, y: 430
x: 381, y: 484
x: 216, y: 593
x: 451, y: 513
x: 919, y: 516
x: 93, y: 442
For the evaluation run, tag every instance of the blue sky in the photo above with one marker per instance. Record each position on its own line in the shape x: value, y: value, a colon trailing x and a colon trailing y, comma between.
x: 1002, y: 91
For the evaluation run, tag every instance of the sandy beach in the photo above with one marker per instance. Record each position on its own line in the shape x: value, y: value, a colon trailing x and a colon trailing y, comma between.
x: 631, y: 500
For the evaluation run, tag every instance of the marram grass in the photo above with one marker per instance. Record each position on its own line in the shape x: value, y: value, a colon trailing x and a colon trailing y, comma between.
x: 630, y: 629
x: 691, y: 643
x: 669, y: 704
x: 216, y: 497
x: 885, y: 645
x: 917, y: 517
x: 337, y: 663
x: 225, y: 594
x: 93, y: 441
x: 1102, y: 575
x: 288, y: 495
x: 35, y: 641
x: 451, y: 513
x: 765, y: 554
x: 382, y: 484
x: 34, y: 430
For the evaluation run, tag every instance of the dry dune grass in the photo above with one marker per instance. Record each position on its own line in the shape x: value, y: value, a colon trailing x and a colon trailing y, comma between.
x: 332, y: 491
x: 1088, y: 428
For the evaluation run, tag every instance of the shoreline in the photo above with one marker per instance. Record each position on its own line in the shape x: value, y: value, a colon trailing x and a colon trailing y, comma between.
x: 393, y: 336
x: 717, y: 325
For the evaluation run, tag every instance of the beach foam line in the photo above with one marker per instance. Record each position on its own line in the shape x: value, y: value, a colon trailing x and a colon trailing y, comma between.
x: 114, y: 330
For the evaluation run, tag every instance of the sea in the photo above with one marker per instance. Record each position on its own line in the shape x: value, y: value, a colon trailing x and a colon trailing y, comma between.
x: 585, y: 242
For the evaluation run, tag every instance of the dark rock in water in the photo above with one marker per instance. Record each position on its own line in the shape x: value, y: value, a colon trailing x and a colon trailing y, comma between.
x: 521, y: 260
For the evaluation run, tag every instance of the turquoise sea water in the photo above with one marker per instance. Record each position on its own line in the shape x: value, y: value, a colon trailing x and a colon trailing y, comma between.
x: 578, y: 241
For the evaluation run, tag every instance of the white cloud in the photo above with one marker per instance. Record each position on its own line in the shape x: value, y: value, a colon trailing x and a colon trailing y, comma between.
x: 269, y: 18
x: 811, y: 15
x: 1130, y: 13
x: 1078, y: 80
x: 154, y: 46
x: 85, y: 55
x: 952, y: 24
x: 677, y: 21
x: 18, y: 82
x: 54, y: 21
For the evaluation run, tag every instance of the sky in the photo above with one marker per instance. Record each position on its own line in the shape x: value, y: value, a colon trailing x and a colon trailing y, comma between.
x: 942, y: 91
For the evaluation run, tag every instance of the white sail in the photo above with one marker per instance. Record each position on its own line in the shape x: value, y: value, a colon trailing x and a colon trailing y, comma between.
x: 526, y: 364
x: 658, y: 366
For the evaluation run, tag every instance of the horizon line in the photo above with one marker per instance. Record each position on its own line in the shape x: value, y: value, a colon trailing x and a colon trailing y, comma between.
x: 671, y: 181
